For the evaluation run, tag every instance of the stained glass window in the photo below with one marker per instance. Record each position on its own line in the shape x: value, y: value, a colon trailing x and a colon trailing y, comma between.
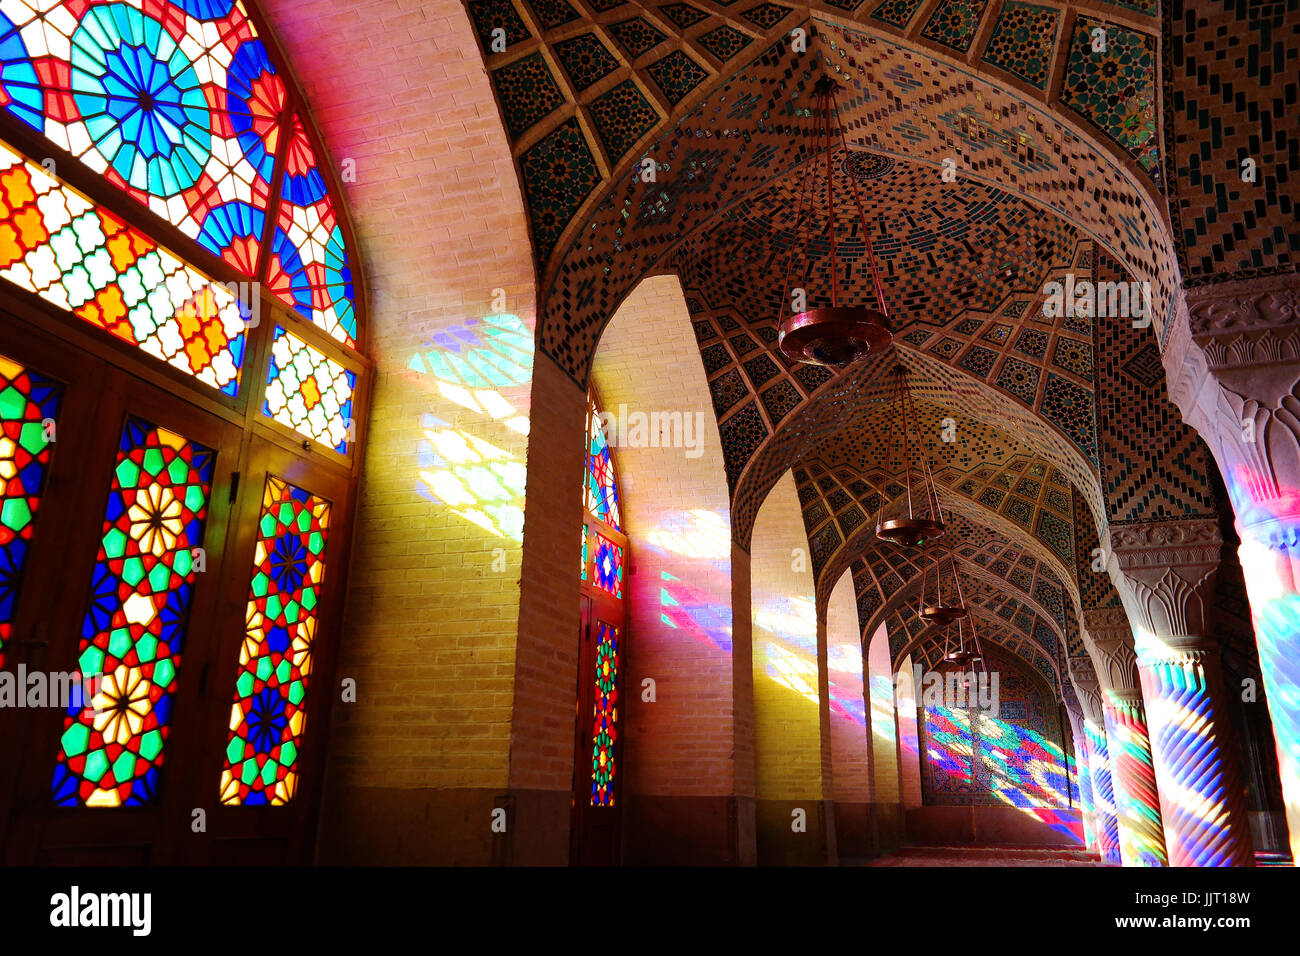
x: 609, y: 566
x: 309, y: 264
x: 29, y: 404
x: 82, y: 258
x: 111, y: 752
x: 309, y: 392
x: 585, y: 549
x: 605, y: 726
x: 175, y: 103
x: 601, y: 488
x: 275, y: 658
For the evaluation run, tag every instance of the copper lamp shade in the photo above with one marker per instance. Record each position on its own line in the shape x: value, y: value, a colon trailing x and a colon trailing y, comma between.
x: 913, y: 518
x: 960, y: 657
x: 835, y: 335
x: 943, y: 614
x: 912, y: 532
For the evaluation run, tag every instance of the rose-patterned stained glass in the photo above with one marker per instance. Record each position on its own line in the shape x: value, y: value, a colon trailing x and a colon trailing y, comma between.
x: 608, y: 566
x: 29, y: 404
x: 111, y: 752
x: 175, y: 102
x: 601, y: 487
x: 267, y: 720
x: 605, y: 718
x: 82, y: 258
x: 309, y: 392
x: 309, y: 268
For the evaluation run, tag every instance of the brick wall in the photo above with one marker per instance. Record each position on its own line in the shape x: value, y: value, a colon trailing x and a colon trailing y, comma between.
x: 677, y: 516
x: 398, y: 87
x: 909, y: 752
x: 850, y: 747
x: 884, y: 728
x: 786, y: 697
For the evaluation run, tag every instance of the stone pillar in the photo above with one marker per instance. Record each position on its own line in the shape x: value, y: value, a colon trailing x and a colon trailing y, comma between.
x: 1233, y: 364
x: 1171, y: 569
x: 1105, y: 823
x: 1082, y: 771
x: 1137, y: 800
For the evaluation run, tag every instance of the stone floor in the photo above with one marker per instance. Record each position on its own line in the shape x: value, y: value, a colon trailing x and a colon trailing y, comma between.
x: 983, y: 856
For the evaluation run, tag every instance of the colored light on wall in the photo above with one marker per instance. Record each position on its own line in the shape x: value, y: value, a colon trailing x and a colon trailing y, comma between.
x: 267, y: 719
x: 686, y: 607
x: 493, y: 353
x: 111, y: 753
x: 1103, y: 796
x: 697, y: 533
x: 465, y: 461
x: 81, y: 258
x: 844, y: 682
x: 28, y: 401
x: 309, y: 392
x: 785, y: 639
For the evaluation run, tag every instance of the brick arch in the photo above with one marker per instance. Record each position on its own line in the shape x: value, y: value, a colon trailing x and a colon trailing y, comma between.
x: 748, y: 131
x: 925, y: 646
x: 996, y: 597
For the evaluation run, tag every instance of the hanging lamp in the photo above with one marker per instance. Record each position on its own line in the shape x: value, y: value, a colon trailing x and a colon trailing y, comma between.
x: 837, y: 335
x: 913, y: 517
x: 943, y: 605
x: 966, y: 650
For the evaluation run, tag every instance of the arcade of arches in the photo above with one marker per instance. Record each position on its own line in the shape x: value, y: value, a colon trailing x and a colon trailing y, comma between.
x: 398, y: 443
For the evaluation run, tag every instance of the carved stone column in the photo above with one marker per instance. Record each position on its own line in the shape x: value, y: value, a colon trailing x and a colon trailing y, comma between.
x: 1082, y: 770
x: 1137, y: 797
x: 1234, y: 371
x: 1171, y: 568
x: 1105, y: 824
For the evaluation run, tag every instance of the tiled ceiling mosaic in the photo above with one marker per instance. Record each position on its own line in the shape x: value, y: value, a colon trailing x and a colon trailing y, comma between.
x: 1226, y: 101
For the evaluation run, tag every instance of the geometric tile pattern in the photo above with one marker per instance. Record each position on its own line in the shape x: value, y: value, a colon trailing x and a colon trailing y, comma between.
x: 636, y: 36
x: 558, y: 174
x: 585, y: 59
x: 677, y: 75
x: 954, y: 23
x: 621, y: 117
x: 1231, y: 89
x: 527, y: 92
x: 896, y: 12
x: 1153, y: 466
x: 1023, y: 40
x: 1115, y: 88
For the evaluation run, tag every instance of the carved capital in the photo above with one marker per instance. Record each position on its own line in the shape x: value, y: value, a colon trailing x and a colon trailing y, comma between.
x: 1171, y: 567
x: 1180, y: 650
x: 1087, y: 688
x: 1113, y: 652
x: 1260, y: 308
x: 1162, y: 544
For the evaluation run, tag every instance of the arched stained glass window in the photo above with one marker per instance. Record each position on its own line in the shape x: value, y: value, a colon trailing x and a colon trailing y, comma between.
x: 177, y: 294
x: 604, y: 619
x: 601, y: 488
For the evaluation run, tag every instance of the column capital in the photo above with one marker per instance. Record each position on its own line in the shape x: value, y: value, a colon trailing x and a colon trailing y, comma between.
x: 1109, y: 639
x: 1087, y: 688
x: 1189, y: 542
x: 1178, y: 649
x: 1171, y: 567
